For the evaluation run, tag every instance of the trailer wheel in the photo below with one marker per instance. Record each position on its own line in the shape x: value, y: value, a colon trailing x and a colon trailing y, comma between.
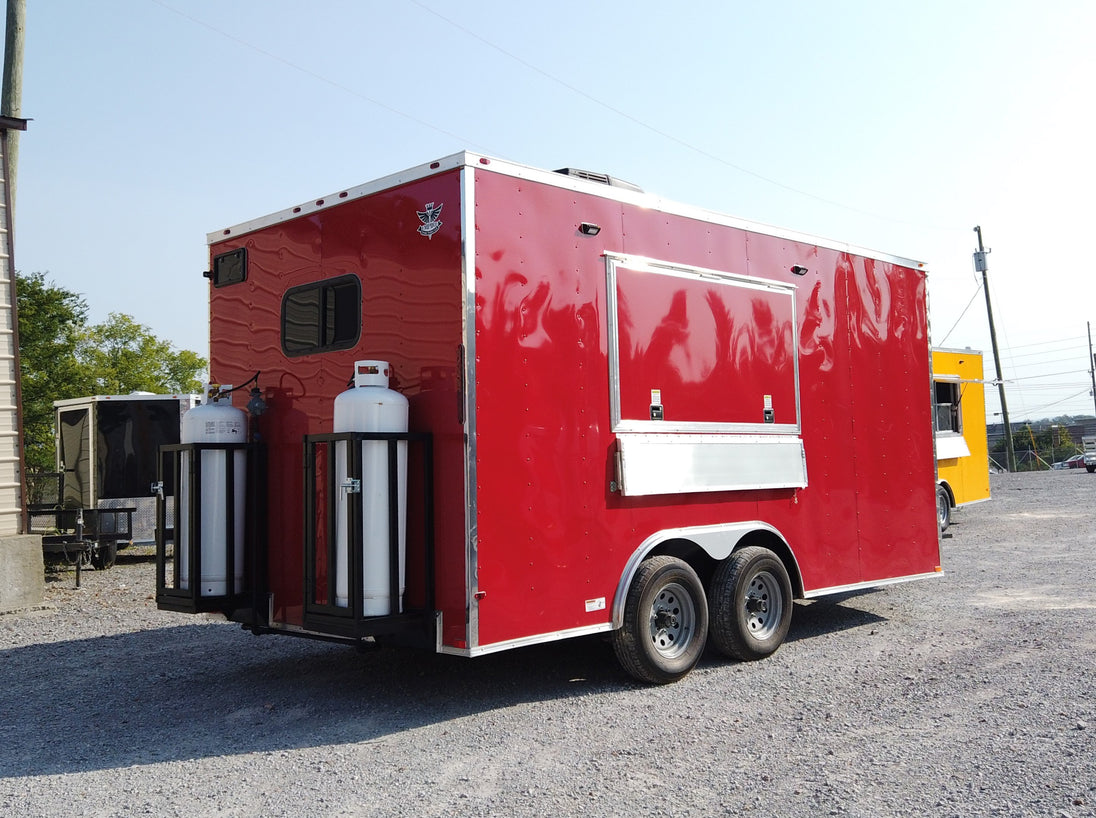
x: 665, y: 622
x: 105, y: 556
x: 751, y: 600
x: 943, y: 508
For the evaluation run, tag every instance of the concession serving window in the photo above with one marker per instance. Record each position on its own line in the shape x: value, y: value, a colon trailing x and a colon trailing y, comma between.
x: 704, y: 379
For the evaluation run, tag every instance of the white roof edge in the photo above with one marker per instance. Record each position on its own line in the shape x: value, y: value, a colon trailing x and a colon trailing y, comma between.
x: 967, y: 351
x: 647, y: 200
x: 57, y: 404
x: 455, y: 160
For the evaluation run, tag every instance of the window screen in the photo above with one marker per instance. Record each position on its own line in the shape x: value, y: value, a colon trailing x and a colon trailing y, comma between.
x: 322, y: 317
x: 946, y: 406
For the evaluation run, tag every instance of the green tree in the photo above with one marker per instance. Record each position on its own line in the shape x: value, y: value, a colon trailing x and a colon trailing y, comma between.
x: 61, y: 356
x: 122, y: 356
x: 51, y: 320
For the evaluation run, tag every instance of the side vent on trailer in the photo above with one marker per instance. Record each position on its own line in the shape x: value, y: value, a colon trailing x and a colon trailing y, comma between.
x: 600, y: 178
x: 228, y: 268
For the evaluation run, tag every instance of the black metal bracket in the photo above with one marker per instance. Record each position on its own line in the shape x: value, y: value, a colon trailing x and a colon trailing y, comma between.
x: 322, y: 495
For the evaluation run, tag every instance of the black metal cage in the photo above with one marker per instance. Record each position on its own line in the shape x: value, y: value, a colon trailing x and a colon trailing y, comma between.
x: 325, y: 489
x: 179, y: 576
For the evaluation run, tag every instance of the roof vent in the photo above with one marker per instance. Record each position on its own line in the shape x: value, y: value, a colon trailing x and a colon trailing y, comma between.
x: 600, y: 178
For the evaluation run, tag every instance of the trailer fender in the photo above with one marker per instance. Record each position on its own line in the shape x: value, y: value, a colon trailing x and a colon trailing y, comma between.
x: 946, y: 486
x: 945, y: 502
x: 716, y: 541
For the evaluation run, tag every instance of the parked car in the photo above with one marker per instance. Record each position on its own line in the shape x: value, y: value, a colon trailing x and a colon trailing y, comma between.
x: 1075, y: 462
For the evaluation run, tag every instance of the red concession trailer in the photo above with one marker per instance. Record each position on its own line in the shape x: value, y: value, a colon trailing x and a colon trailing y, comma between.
x: 622, y: 415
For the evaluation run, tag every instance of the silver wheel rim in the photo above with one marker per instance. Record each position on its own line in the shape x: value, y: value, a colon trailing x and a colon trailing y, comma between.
x: 673, y: 619
x: 763, y: 605
x: 941, y: 508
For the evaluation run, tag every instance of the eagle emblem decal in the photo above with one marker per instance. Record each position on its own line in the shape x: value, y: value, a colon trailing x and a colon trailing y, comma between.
x: 430, y: 216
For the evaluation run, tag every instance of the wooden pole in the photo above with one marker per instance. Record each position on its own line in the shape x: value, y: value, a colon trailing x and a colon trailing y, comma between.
x: 981, y: 266
x: 11, y: 96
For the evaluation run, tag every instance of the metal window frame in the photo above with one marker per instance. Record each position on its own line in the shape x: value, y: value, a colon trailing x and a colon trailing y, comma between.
x: 615, y: 261
x: 323, y: 285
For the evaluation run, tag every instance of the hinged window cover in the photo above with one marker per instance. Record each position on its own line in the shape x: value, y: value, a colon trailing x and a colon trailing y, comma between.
x: 698, y: 350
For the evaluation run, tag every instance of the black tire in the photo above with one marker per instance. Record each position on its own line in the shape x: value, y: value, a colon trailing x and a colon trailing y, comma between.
x: 1090, y: 469
x: 104, y: 556
x: 751, y: 604
x: 943, y: 508
x: 665, y: 622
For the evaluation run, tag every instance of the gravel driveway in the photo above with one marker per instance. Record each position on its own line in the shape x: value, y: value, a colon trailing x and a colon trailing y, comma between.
x: 970, y: 694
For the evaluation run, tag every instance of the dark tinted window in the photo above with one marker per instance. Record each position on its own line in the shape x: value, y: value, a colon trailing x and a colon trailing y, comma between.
x: 130, y: 432
x: 75, y: 456
x: 321, y: 317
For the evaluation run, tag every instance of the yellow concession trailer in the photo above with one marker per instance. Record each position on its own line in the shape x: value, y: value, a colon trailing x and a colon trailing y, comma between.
x: 962, y: 451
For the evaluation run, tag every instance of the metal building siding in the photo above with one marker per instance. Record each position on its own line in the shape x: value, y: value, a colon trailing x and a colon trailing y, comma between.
x: 11, y: 495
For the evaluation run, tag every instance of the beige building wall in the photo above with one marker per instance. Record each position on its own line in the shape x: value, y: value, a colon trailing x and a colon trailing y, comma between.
x: 22, y: 575
x: 11, y: 469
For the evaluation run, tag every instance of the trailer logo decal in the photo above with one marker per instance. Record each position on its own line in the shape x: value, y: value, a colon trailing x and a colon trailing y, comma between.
x: 430, y: 216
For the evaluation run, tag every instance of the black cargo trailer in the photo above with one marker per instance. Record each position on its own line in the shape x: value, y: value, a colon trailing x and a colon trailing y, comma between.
x: 101, y: 498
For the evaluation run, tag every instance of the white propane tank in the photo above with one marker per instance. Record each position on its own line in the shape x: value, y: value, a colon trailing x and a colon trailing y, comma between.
x: 214, y: 421
x: 370, y: 406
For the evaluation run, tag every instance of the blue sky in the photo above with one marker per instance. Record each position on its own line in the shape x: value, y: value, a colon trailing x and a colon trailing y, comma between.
x: 894, y: 126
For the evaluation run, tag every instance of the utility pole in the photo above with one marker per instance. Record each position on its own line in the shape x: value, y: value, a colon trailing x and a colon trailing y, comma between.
x: 1092, y: 363
x: 11, y: 97
x: 981, y: 266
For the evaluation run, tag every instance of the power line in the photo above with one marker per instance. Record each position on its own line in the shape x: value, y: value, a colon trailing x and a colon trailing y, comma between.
x: 1079, y: 338
x: 1056, y: 403
x: 547, y: 75
x: 960, y: 318
x: 319, y: 77
x: 665, y: 135
x: 1076, y: 351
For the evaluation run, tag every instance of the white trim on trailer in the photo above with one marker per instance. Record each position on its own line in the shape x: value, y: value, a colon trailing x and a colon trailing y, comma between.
x: 360, y: 191
x: 61, y: 404
x: 526, y: 641
x: 865, y: 586
x: 467, y: 376
x: 967, y: 351
x: 717, y: 541
x: 478, y: 161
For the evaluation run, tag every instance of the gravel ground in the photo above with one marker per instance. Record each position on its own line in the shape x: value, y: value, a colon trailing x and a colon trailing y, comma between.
x: 967, y: 695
